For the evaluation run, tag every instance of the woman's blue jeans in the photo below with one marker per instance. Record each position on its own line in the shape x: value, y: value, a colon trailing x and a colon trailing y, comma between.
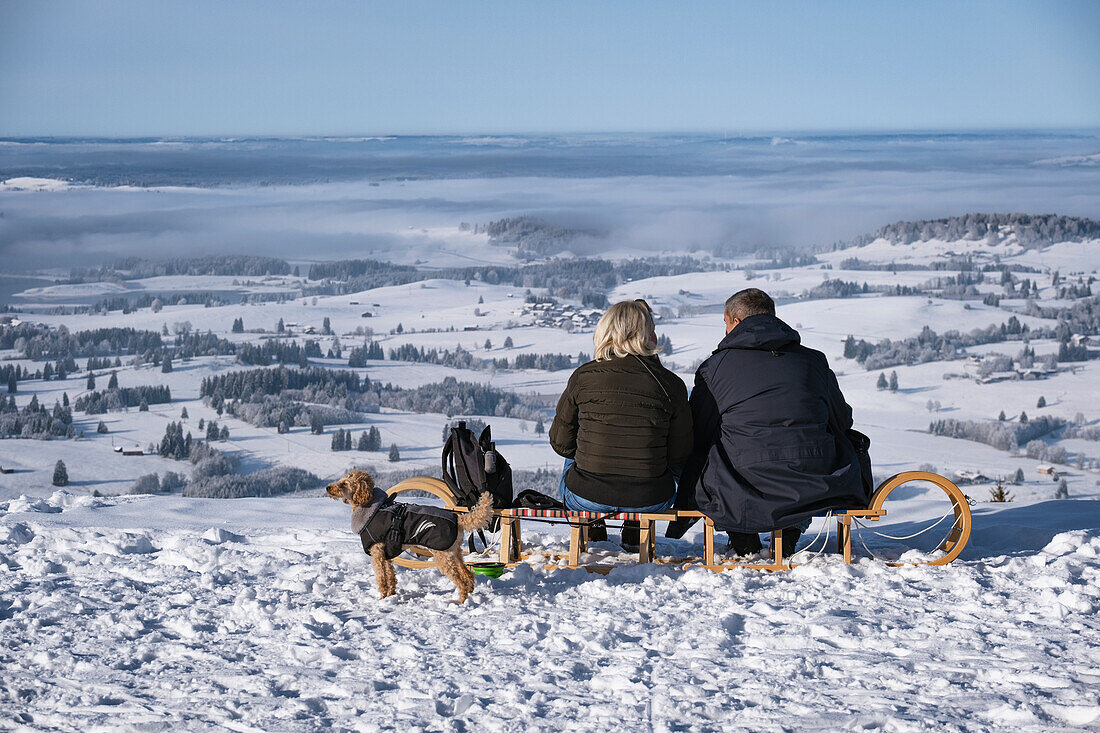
x: 580, y: 504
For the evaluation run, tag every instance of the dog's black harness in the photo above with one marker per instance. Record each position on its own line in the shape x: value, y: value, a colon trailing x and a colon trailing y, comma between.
x: 396, y: 524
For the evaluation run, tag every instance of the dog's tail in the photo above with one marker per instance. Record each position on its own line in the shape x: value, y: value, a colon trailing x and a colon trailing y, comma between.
x: 479, y: 516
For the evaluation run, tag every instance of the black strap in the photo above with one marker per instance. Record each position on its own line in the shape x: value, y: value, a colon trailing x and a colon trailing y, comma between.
x: 655, y: 379
x: 395, y: 537
x: 449, y: 475
x: 484, y: 543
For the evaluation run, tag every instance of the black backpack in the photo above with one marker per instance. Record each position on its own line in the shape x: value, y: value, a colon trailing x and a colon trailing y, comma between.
x: 472, y: 466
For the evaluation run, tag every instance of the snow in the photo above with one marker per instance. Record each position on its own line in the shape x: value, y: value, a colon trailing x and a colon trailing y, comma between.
x: 205, y: 283
x: 26, y: 183
x: 154, y: 612
x: 163, y: 612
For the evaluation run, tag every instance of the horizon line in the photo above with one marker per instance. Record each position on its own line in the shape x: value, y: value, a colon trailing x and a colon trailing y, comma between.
x: 742, y: 133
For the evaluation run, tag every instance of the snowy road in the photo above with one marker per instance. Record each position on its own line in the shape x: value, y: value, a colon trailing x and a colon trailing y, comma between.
x: 201, y: 622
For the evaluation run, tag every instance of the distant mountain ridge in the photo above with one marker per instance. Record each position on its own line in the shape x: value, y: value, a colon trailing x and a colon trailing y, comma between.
x: 1029, y: 230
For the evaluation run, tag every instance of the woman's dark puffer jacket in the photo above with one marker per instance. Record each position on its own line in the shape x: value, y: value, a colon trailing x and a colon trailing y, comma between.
x: 625, y: 422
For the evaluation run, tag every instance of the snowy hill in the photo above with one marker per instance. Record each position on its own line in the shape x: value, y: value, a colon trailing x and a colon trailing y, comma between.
x: 171, y: 612
x: 262, y: 613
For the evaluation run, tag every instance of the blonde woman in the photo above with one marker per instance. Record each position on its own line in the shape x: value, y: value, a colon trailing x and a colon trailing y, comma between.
x: 623, y: 423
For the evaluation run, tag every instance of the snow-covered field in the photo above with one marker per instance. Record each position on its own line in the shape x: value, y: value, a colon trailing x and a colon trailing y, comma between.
x: 153, y: 613
x: 163, y: 612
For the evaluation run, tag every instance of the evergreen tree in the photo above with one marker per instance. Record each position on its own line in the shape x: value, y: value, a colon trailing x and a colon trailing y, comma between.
x: 238, y: 325
x: 400, y: 328
x: 296, y: 271
x: 166, y: 364
x: 102, y: 427
x: 280, y: 327
x: 64, y: 399
x: 212, y: 431
x: 60, y: 474
x: 508, y: 343
x: 999, y: 493
x: 326, y: 326
x: 893, y: 381
x: 225, y: 433
x: 316, y: 426
x: 1023, y: 417
x: 1019, y: 477
x: 183, y: 414
x: 881, y: 383
x: 112, y: 383
x: 337, y: 440
x: 488, y: 344
x: 13, y: 383
x: 481, y: 300
x: 540, y: 429
x: 1042, y: 402
x: 364, y: 442
x: 202, y: 424
x: 1001, y: 417
x: 90, y: 384
x: 375, y: 439
x: 144, y: 406
x: 395, y: 455
x: 47, y: 372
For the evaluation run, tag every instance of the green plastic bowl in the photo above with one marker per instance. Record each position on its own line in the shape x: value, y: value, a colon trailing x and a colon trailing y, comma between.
x: 488, y: 569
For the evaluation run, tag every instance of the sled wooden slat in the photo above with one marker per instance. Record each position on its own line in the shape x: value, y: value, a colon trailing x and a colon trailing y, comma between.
x: 510, y: 552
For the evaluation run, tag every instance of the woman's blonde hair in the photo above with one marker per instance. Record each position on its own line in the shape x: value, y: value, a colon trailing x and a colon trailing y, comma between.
x: 626, y: 328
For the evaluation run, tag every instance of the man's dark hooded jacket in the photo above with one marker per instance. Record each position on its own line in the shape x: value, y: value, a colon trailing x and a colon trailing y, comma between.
x: 771, y: 445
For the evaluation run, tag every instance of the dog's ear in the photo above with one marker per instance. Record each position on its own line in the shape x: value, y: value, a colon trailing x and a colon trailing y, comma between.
x: 362, y: 487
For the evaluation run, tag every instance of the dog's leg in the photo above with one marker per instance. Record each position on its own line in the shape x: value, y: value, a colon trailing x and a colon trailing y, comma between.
x: 450, y: 564
x: 463, y: 571
x: 466, y: 572
x: 383, y: 571
x: 391, y: 576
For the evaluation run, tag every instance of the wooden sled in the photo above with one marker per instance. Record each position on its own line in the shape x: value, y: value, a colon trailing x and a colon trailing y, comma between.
x: 511, y: 550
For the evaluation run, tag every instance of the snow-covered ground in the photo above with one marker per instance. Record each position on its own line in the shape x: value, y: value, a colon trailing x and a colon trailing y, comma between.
x: 160, y: 612
x: 153, y: 613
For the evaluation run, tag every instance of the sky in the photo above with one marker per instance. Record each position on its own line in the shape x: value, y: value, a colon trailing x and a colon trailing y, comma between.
x: 115, y: 69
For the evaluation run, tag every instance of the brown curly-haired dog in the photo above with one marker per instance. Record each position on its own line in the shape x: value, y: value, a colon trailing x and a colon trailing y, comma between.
x: 367, y: 501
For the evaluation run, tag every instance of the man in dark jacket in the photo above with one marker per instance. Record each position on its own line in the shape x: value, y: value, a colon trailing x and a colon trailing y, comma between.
x: 771, y: 447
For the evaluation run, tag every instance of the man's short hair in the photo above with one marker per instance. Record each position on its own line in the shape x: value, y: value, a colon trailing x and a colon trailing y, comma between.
x: 749, y: 302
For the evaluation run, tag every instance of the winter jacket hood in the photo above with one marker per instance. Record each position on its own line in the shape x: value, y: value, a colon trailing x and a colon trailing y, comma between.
x: 760, y: 332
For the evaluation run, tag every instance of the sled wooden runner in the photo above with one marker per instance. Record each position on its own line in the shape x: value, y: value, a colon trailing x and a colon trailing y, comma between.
x: 510, y: 551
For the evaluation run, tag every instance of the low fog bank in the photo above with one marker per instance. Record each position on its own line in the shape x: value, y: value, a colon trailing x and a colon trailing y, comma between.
x: 828, y: 194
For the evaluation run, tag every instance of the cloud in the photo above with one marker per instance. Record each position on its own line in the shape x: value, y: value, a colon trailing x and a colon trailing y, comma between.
x: 776, y: 197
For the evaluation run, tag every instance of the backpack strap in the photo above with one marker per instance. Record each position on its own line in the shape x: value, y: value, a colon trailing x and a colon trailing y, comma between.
x: 449, y: 476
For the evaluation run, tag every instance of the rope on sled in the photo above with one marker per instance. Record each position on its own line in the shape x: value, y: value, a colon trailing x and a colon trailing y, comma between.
x: 951, y: 512
x: 859, y: 533
x: 860, y: 526
x: 824, y: 526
